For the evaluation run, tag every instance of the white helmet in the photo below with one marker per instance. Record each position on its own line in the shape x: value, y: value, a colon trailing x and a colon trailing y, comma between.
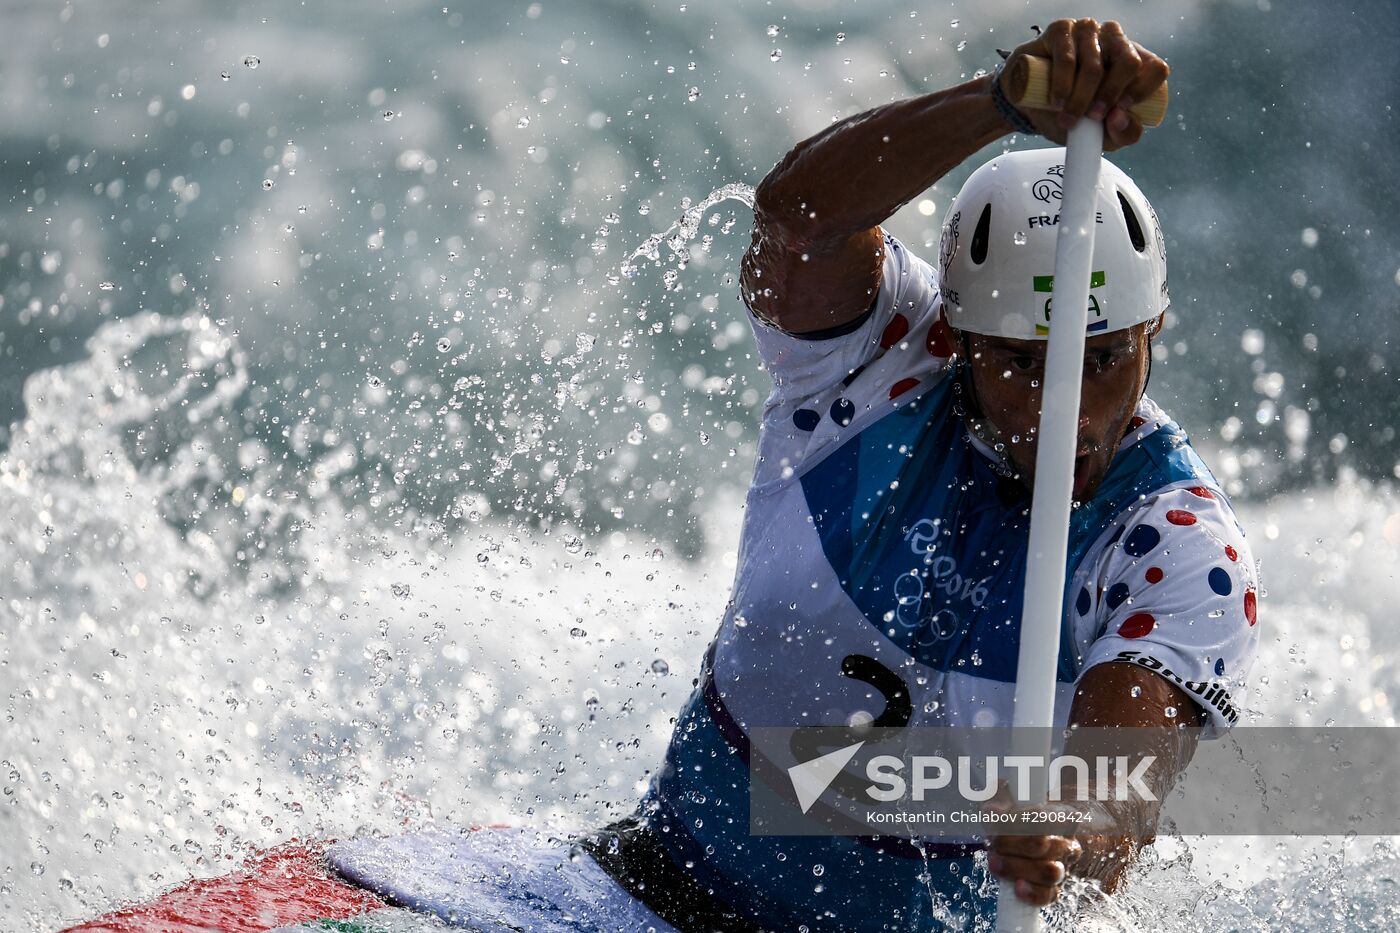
x: 997, y: 257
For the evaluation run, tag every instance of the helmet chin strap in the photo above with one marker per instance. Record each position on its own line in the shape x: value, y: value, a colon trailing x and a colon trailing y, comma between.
x: 1143, y: 393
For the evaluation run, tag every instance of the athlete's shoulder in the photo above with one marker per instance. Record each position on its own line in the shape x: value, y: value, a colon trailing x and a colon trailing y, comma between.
x: 1184, y: 529
x: 1194, y: 505
x: 1186, y: 540
x: 1189, y: 496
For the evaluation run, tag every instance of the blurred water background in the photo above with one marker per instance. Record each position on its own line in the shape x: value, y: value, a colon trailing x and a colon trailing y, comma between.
x: 359, y: 472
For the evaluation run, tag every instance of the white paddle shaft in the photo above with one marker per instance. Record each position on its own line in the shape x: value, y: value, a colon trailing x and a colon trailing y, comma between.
x: 1043, y: 607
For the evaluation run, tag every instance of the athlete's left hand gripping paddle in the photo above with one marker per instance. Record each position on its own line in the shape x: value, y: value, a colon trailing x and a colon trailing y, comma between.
x: 1054, y: 460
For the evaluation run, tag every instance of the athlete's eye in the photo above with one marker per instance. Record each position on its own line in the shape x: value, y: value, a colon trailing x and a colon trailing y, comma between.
x: 1104, y: 359
x: 1024, y: 364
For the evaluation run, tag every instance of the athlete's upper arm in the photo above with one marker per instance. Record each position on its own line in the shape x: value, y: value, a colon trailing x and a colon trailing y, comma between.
x: 1130, y: 696
x: 803, y: 284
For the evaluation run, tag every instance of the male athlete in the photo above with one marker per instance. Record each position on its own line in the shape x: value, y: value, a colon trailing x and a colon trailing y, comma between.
x: 884, y: 546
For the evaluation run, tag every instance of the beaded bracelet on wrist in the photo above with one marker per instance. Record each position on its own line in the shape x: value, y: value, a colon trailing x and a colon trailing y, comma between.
x: 1007, y: 109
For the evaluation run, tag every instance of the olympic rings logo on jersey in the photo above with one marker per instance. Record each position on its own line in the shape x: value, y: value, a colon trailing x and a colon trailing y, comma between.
x: 911, y: 588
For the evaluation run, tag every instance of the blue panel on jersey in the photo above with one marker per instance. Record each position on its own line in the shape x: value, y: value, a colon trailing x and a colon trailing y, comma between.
x: 931, y: 544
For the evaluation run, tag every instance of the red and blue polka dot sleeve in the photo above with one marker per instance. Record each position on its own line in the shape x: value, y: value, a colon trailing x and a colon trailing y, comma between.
x: 906, y: 305
x: 1175, y: 591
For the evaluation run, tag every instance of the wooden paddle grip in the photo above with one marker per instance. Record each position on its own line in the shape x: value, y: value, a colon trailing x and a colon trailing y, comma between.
x: 1028, y: 86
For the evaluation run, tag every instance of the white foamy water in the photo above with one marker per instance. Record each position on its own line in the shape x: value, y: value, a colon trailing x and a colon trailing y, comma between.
x: 202, y: 657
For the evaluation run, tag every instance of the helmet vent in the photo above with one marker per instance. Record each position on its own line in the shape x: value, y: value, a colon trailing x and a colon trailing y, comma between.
x: 978, y: 248
x: 1134, y: 228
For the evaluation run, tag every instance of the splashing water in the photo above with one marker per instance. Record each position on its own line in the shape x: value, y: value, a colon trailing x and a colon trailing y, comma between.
x: 205, y: 654
x: 680, y: 234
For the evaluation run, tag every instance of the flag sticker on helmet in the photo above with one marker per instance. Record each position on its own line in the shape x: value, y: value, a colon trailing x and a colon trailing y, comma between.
x: 1046, y: 284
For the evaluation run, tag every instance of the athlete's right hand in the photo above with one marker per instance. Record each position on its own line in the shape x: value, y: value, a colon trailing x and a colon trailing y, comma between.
x: 1095, y: 71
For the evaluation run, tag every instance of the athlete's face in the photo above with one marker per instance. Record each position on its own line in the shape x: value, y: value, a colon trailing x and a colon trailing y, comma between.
x: 1007, y: 376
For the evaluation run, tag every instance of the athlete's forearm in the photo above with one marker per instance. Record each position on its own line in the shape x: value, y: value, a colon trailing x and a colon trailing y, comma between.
x: 1107, y: 857
x: 1126, y: 696
x: 856, y: 173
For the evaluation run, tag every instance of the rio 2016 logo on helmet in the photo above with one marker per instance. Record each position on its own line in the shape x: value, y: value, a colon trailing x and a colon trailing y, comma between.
x: 997, y: 255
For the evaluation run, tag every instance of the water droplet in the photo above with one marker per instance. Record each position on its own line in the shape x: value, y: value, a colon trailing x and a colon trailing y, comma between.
x: 522, y: 123
x: 400, y: 590
x: 819, y: 869
x: 389, y: 115
x: 776, y: 55
x: 962, y: 44
x: 107, y: 286
x: 693, y: 94
x: 267, y: 184
x: 773, y: 31
x: 444, y: 344
x: 660, y: 667
x: 1019, y: 238
x: 573, y: 543
x: 840, y: 37
x: 1136, y: 691
x: 225, y: 75
x: 36, y: 867
x: 1170, y: 711
x: 251, y: 61
x: 577, y: 632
